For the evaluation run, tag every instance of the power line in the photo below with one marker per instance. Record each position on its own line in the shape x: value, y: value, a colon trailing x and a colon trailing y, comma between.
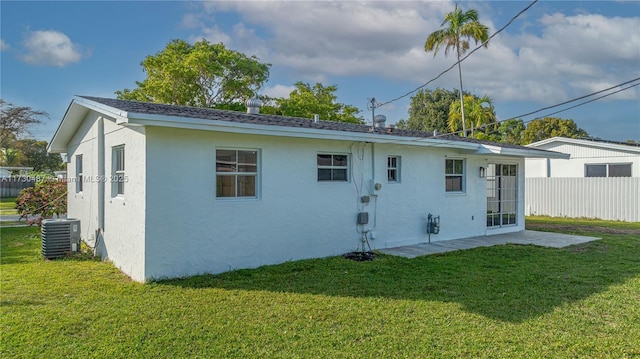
x: 580, y: 98
x: 586, y: 102
x: 462, y: 59
x: 563, y: 103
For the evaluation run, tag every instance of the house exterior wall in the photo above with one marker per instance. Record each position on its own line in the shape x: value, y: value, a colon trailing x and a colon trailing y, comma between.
x: 187, y: 230
x: 580, y: 156
x: 119, y: 236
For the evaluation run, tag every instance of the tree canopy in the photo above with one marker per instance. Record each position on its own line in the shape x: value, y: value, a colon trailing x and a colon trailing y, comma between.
x: 33, y: 153
x: 510, y: 131
x: 429, y: 110
x: 201, y: 75
x: 306, y: 101
x: 15, y: 121
x: 541, y: 129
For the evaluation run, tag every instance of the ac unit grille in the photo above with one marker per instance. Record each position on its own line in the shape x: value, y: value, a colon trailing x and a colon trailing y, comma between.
x: 60, y: 237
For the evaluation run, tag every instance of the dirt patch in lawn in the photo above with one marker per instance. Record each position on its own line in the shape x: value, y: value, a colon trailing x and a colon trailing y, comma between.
x: 557, y: 227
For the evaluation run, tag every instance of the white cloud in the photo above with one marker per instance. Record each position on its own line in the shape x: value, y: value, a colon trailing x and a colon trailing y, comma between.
x: 319, y: 39
x: 3, y: 45
x: 278, y: 91
x: 572, y: 56
x: 557, y: 58
x: 50, y: 48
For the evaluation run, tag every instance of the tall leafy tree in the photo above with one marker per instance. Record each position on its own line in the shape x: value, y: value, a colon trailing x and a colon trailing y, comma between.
x: 15, y: 121
x: 429, y: 110
x: 510, y: 131
x: 33, y: 153
x: 461, y: 27
x: 201, y: 75
x: 548, y: 127
x: 306, y: 101
x: 480, y: 114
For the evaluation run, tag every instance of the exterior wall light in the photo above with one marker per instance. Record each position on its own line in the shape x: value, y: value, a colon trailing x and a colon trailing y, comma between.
x: 483, y: 172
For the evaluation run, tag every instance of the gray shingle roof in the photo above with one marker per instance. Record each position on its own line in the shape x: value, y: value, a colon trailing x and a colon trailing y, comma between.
x: 273, y: 120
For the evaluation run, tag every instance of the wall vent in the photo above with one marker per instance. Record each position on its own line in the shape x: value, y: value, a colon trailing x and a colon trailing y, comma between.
x: 60, y: 237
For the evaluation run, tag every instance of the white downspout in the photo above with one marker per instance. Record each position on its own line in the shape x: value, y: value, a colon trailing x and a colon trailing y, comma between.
x: 101, y: 174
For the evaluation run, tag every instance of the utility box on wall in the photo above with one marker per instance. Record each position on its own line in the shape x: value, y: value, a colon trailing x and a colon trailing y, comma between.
x: 363, y: 218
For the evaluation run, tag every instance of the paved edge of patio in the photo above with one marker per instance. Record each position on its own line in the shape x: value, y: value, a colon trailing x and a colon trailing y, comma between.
x: 543, y: 239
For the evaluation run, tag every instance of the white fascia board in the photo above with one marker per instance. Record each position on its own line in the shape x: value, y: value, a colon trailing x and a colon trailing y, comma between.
x: 284, y: 131
x: 533, y: 153
x: 120, y: 116
x: 66, y: 128
x: 73, y: 117
x: 587, y: 143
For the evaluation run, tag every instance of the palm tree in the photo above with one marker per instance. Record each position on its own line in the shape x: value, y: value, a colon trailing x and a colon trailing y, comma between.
x: 480, y: 113
x: 8, y: 156
x: 462, y: 26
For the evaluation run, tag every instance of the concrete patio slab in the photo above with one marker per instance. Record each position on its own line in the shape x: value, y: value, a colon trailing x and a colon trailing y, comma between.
x: 544, y: 239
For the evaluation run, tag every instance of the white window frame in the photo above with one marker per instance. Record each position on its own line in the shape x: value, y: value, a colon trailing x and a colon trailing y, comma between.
x: 118, y: 177
x: 79, y: 174
x: 462, y: 175
x: 236, y: 174
x: 333, y: 167
x: 393, y: 168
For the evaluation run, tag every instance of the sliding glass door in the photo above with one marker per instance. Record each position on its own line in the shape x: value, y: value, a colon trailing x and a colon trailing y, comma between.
x: 502, y: 194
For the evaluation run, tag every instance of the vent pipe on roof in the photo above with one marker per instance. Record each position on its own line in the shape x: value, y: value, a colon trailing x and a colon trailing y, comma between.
x: 253, y: 106
x: 316, y: 118
x: 379, y: 120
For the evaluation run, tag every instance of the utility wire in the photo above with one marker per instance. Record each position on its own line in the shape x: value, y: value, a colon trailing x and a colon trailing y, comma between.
x: 586, y: 102
x: 462, y: 59
x: 449, y: 141
x: 560, y: 104
x: 581, y: 97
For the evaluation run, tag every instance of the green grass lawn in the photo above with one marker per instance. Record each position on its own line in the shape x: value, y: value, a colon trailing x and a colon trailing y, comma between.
x: 8, y: 205
x: 499, y: 302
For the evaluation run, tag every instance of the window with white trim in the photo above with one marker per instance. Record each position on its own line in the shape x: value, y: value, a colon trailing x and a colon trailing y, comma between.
x: 333, y: 167
x: 608, y: 170
x: 236, y: 173
x: 454, y: 175
x: 117, y: 175
x: 78, y: 173
x: 393, y: 169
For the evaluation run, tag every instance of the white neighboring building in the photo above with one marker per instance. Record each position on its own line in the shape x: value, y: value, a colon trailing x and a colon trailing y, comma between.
x: 589, y: 158
x: 599, y: 180
x: 168, y: 191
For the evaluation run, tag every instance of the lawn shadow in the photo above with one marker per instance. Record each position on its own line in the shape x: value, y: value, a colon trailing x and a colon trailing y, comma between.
x: 510, y: 283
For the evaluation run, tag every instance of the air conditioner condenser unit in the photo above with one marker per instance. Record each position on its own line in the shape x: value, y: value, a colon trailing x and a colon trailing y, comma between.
x: 60, y: 237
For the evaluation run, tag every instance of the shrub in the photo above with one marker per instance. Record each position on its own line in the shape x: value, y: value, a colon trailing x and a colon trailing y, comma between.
x: 46, y: 198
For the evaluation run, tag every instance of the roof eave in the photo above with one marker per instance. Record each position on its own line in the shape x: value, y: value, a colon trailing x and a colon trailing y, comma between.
x: 144, y: 119
x: 79, y: 107
x: 523, y: 152
x: 73, y: 116
x: 604, y: 145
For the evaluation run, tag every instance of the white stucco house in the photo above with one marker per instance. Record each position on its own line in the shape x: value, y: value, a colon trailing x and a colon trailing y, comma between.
x: 167, y: 191
x: 589, y: 158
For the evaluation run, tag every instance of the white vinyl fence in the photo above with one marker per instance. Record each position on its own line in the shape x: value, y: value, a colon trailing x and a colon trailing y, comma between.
x: 609, y: 198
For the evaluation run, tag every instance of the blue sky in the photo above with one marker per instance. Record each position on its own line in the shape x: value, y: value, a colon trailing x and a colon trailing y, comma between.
x: 554, y: 52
